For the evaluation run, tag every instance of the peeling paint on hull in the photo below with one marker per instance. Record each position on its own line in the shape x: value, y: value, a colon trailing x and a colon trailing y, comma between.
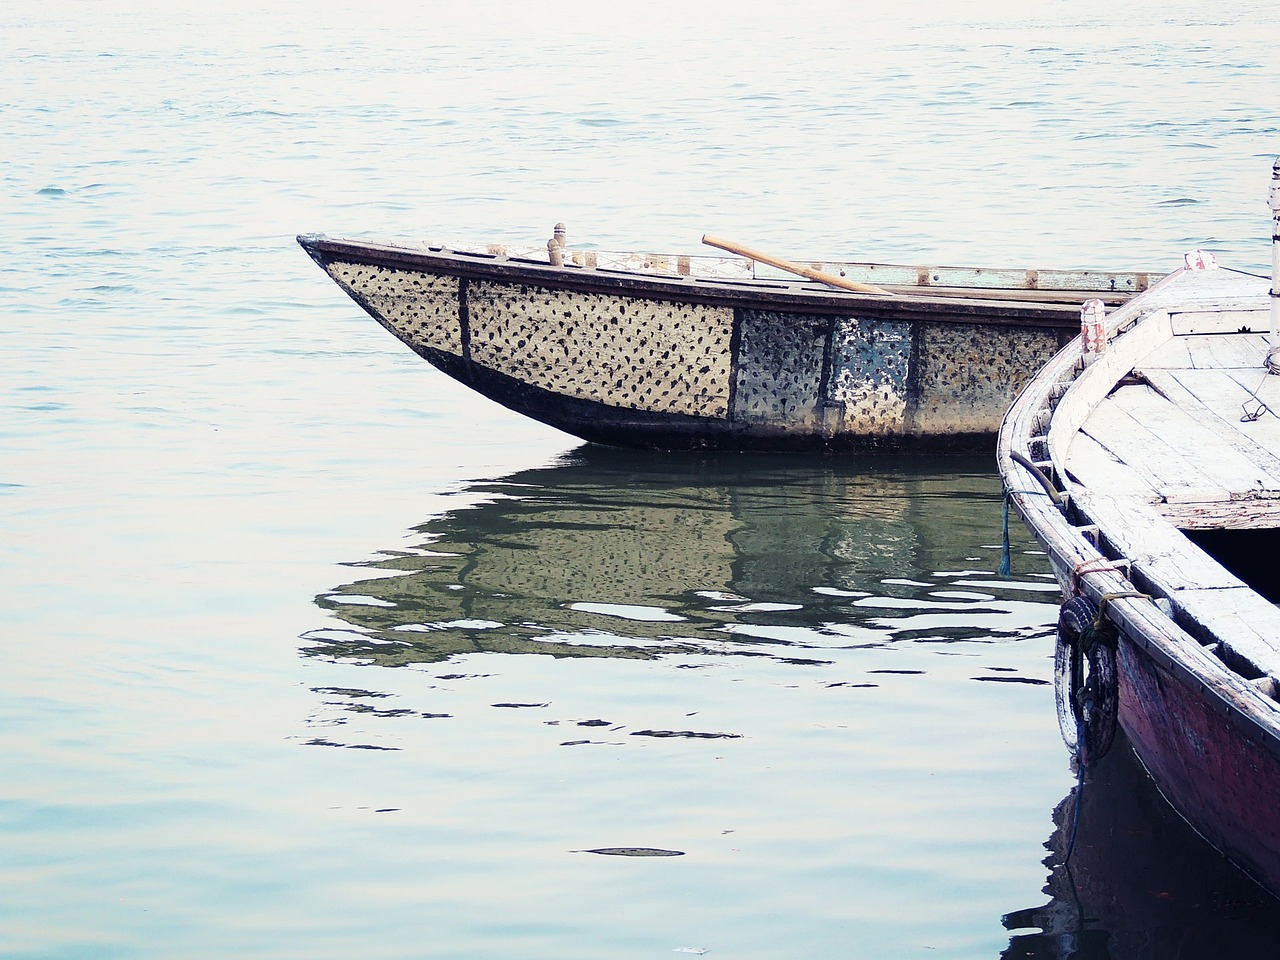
x: 676, y: 363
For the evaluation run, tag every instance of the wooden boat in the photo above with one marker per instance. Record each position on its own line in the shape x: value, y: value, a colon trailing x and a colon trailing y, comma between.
x: 712, y: 352
x: 1150, y: 473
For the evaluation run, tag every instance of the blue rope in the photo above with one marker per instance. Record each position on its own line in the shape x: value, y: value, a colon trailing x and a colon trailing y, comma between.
x: 1006, y: 563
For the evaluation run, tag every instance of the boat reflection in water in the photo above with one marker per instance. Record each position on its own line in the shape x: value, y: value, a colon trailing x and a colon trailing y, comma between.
x: 812, y: 577
x: 611, y: 553
x: 1139, y: 881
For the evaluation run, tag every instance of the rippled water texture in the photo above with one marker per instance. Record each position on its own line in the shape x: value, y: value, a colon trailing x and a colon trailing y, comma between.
x: 307, y: 652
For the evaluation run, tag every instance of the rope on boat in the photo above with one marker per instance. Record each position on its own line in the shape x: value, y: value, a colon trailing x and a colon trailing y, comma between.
x: 1106, y: 598
x: 1046, y: 489
x: 1244, y: 273
x: 1006, y: 561
x: 1095, y: 565
x: 1256, y: 413
x: 1056, y: 495
x: 1075, y: 814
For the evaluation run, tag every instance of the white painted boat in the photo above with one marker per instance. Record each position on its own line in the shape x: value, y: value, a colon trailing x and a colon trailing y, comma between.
x: 1146, y: 461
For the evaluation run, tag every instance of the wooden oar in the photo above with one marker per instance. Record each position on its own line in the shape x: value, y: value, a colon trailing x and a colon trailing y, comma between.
x: 793, y: 267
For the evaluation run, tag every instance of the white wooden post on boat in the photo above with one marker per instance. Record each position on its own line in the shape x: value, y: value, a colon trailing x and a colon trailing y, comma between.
x: 556, y: 245
x: 1273, y: 355
x: 1093, y: 330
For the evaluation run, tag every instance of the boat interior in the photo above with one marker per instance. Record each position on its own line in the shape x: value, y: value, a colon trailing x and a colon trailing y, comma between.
x: 1187, y: 441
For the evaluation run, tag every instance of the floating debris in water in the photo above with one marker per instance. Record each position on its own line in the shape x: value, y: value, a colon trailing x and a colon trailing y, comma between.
x: 1031, y: 680
x: 687, y: 733
x: 321, y: 742
x: 348, y: 692
x: 633, y: 852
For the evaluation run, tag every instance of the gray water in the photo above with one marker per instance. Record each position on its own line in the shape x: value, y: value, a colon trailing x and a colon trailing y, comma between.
x: 307, y: 652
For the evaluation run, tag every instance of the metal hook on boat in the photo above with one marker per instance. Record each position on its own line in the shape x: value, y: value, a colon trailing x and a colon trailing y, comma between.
x: 1084, y: 672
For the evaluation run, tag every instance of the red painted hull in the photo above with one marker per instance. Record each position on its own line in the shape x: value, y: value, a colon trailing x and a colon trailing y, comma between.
x: 1217, y: 768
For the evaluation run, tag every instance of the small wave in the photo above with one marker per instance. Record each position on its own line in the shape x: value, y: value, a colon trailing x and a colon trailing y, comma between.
x: 261, y: 113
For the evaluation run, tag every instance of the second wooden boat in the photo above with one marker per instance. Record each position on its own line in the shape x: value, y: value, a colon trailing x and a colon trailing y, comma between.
x: 1148, y: 465
x: 678, y: 352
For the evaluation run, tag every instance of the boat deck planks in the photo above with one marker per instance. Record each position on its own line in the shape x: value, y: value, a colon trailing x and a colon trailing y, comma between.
x: 1220, y: 402
x: 1245, y: 624
x: 1172, y: 436
x: 1168, y: 446
x: 1246, y: 627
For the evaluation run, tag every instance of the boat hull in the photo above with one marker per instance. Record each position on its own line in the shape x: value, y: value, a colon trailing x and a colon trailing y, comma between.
x: 1215, y: 765
x: 677, y: 363
x: 1197, y: 658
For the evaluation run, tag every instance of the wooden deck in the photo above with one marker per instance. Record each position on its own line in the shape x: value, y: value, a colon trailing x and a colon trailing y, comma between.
x: 1182, y: 435
x: 1183, y: 444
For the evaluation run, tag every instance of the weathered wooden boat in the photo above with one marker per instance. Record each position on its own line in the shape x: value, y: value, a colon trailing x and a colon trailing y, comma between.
x: 1150, y: 473
x: 714, y: 352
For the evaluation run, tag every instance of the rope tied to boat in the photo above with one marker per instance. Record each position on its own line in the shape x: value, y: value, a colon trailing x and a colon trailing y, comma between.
x: 1260, y: 407
x: 1006, y: 560
x: 1106, y: 598
x: 1093, y: 565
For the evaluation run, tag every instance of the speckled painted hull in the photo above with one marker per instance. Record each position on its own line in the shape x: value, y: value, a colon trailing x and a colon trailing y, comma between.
x: 670, y: 361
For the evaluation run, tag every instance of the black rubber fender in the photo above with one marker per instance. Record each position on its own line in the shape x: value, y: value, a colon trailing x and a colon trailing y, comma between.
x: 1085, y: 686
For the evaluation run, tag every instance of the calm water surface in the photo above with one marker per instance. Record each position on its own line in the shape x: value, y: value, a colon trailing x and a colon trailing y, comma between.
x: 307, y: 652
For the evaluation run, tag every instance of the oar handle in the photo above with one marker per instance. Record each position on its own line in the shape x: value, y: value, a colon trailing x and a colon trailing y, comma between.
x: 790, y: 267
